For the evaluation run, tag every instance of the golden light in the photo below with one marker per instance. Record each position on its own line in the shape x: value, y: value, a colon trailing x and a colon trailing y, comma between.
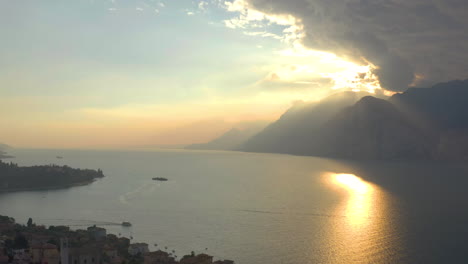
x: 352, y: 182
x: 346, y: 75
x: 363, y: 221
x: 355, y: 77
x: 359, y: 203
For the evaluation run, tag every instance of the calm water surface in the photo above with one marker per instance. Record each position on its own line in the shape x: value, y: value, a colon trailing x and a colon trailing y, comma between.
x: 262, y: 208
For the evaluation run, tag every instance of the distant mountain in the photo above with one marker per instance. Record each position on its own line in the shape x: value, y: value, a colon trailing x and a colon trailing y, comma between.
x: 231, y: 140
x: 441, y: 112
x: 443, y: 106
x: 421, y: 123
x: 294, y: 132
x: 371, y: 129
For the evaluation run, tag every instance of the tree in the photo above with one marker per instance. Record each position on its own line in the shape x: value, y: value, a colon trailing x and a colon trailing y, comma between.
x: 53, y: 242
x: 30, y: 222
x: 20, y: 242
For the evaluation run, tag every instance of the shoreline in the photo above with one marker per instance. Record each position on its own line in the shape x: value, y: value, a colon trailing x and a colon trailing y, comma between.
x: 48, y: 188
x: 92, y: 242
x: 14, y: 178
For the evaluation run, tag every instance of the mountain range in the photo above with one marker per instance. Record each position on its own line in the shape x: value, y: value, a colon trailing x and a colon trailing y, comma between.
x: 232, y: 139
x: 421, y: 123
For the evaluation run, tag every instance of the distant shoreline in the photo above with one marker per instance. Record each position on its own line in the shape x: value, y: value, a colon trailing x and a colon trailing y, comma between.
x: 45, y: 188
x: 14, y: 178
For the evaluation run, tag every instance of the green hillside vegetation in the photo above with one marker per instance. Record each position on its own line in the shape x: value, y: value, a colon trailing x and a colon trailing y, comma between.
x: 14, y: 177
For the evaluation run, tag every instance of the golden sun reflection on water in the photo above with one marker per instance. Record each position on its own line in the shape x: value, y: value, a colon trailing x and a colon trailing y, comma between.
x: 362, y: 231
x: 359, y: 204
x: 352, y: 182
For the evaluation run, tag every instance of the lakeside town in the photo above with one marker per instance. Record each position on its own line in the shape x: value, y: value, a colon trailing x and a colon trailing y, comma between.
x: 38, y: 244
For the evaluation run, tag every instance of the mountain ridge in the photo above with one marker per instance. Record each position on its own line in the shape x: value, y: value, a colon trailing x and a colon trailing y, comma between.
x: 421, y: 123
x: 298, y: 123
x: 230, y: 140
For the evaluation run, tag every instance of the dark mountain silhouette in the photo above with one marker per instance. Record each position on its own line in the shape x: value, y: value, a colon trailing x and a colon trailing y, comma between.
x: 443, y: 106
x: 421, y: 123
x: 442, y: 113
x: 371, y: 129
x: 294, y: 132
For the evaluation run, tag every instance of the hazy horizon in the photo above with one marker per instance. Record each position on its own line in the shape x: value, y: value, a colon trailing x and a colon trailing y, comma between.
x: 106, y: 74
x: 109, y: 73
x: 233, y: 131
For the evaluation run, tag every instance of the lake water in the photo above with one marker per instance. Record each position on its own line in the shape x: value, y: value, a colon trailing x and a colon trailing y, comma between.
x: 262, y: 208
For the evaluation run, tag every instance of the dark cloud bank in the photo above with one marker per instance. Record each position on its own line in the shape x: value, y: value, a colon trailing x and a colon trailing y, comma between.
x: 409, y: 40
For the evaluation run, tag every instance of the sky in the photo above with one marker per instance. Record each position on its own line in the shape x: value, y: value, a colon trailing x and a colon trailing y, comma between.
x: 124, y: 73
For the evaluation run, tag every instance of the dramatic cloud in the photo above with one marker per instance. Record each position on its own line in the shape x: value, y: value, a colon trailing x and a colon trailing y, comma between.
x: 411, y: 42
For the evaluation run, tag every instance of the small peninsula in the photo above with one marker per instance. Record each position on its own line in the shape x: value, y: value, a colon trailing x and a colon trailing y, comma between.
x: 16, y: 178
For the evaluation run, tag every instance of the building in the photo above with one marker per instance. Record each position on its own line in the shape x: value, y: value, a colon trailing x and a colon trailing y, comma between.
x: 138, y: 248
x: 97, y: 232
x: 45, y: 253
x: 111, y: 255
x: 2, y: 241
x: 198, y: 259
x: 4, y: 226
x: 64, y: 251
x: 35, y: 239
x: 21, y: 256
x: 85, y: 255
x: 3, y: 258
x: 158, y: 257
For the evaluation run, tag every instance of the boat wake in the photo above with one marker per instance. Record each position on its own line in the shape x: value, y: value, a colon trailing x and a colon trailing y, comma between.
x: 144, y: 189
